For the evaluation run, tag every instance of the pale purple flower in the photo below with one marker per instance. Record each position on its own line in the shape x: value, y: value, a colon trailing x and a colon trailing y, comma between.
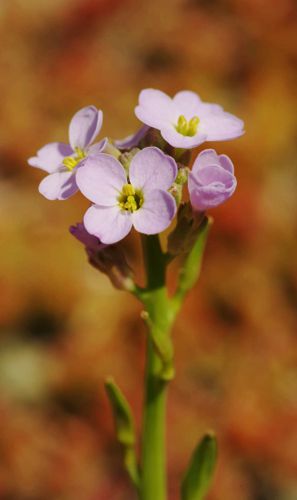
x: 120, y: 202
x: 185, y: 121
x: 211, y: 181
x: 61, y: 160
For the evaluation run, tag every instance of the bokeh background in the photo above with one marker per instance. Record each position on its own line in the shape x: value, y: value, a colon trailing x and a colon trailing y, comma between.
x: 64, y: 328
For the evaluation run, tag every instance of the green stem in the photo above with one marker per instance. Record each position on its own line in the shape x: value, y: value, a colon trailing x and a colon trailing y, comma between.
x: 160, y: 314
x: 153, y: 461
x: 153, y: 464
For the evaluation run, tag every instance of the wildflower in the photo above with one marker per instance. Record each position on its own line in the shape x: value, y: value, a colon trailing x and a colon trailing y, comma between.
x: 211, y: 181
x: 109, y: 259
x: 62, y: 160
x: 185, y: 121
x: 120, y: 201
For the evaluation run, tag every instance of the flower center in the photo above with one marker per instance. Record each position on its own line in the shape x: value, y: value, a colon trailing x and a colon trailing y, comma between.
x: 130, y: 198
x: 71, y: 161
x: 185, y: 127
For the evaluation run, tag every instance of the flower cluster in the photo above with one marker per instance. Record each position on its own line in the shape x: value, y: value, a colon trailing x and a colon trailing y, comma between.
x: 139, y: 181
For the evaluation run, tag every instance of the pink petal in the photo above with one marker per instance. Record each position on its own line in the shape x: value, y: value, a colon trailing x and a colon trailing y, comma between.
x: 209, y: 157
x: 187, y: 103
x: 221, y: 126
x: 178, y: 140
x: 51, y: 156
x: 156, y: 213
x: 226, y: 163
x: 204, y: 159
x: 98, y: 147
x: 109, y: 224
x: 206, y: 108
x: 84, y: 126
x: 155, y: 108
x: 209, y: 196
x: 214, y: 174
x: 101, y: 179
x: 151, y: 169
x: 58, y: 186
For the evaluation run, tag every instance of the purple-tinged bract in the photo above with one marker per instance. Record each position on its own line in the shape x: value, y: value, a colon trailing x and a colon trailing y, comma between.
x: 61, y: 161
x: 88, y: 240
x: 185, y: 121
x: 211, y: 181
x: 131, y: 141
x: 142, y: 200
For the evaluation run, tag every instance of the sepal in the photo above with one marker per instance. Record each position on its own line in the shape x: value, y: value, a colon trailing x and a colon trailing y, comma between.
x: 197, y: 479
x: 189, y: 225
x: 190, y: 269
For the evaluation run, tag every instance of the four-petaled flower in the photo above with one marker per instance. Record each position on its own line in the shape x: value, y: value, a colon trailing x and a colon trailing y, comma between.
x: 211, y: 181
x: 120, y: 202
x: 61, y: 160
x: 185, y: 121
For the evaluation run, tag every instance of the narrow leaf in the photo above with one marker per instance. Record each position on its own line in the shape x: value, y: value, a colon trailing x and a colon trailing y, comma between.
x: 124, y: 428
x: 122, y: 413
x: 198, y: 477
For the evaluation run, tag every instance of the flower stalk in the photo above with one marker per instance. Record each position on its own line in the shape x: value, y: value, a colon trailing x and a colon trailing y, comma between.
x: 160, y: 313
x: 153, y: 460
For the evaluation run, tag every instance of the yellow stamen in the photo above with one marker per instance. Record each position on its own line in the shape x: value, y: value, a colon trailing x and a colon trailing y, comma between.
x: 187, y: 128
x: 130, y: 198
x: 70, y: 162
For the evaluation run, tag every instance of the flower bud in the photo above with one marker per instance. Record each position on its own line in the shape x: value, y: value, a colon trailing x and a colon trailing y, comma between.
x: 109, y: 259
x: 177, y: 192
x: 184, y: 235
x: 212, y: 180
x: 182, y: 175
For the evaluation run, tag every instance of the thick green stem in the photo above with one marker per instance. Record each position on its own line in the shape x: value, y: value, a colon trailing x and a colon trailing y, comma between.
x: 160, y: 314
x: 153, y: 460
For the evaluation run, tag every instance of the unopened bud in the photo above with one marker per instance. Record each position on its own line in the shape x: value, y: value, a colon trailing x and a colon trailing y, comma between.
x: 184, y: 235
x: 109, y: 259
x: 182, y: 175
x: 177, y: 191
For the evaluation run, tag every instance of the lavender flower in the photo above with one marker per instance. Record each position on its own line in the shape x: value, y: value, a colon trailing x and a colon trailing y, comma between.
x: 62, y: 160
x: 211, y: 181
x: 120, y: 202
x: 185, y: 121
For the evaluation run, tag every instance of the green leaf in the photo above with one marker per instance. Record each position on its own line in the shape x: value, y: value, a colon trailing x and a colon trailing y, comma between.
x: 125, y: 428
x: 122, y: 413
x: 197, y: 479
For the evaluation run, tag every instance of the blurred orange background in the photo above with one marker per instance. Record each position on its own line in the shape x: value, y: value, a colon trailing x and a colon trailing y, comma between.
x: 64, y: 328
